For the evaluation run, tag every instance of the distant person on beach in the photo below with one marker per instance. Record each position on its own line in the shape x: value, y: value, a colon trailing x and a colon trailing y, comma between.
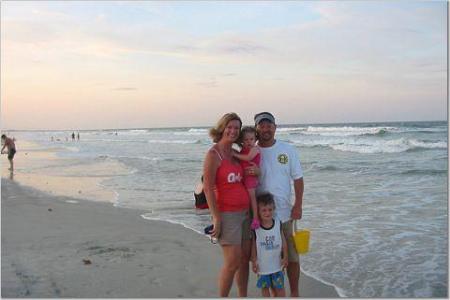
x: 73, y: 136
x: 250, y: 155
x: 280, y: 165
x: 11, y: 146
x: 227, y: 197
x: 78, y: 136
x: 269, y: 250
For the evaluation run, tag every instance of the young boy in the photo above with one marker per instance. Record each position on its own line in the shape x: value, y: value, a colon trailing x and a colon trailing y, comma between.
x: 269, y: 250
x: 9, y: 143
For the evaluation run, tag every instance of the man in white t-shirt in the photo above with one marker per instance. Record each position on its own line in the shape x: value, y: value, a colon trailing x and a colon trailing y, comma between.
x: 280, y: 165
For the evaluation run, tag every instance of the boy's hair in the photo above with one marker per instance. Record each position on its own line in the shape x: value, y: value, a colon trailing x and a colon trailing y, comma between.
x: 265, y: 199
x: 244, y: 130
x: 3, y: 136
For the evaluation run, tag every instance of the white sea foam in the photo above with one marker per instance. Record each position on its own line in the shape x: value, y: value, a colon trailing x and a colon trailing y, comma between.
x: 173, y: 141
x: 346, y: 130
x: 193, y: 131
x: 371, y: 146
x: 290, y: 129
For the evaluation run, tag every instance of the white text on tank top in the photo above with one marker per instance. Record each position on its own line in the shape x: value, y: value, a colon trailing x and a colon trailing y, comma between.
x: 269, y: 248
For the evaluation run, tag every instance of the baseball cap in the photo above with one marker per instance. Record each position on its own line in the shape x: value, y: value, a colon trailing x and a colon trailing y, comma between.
x: 264, y: 116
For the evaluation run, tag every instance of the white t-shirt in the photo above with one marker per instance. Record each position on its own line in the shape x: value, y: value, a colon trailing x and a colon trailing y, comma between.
x: 269, y: 248
x: 280, y: 165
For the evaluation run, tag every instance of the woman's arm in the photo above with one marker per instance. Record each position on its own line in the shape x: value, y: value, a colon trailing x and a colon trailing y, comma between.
x: 247, y: 157
x: 210, y: 167
x: 253, y: 256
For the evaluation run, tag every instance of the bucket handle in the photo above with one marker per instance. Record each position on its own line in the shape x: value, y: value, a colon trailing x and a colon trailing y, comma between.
x: 295, y: 224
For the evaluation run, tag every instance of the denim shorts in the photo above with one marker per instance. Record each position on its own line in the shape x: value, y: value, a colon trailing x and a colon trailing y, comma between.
x: 274, y: 280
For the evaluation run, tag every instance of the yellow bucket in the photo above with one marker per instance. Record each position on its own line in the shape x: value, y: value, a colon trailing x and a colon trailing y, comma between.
x: 301, y: 239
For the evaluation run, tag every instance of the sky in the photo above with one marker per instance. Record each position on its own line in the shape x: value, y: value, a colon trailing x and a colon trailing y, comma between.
x: 141, y: 64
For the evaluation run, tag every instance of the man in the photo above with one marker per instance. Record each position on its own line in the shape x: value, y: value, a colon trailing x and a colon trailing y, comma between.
x: 9, y: 143
x: 279, y: 166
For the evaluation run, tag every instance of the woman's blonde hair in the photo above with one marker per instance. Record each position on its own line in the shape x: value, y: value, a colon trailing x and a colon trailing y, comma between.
x: 216, y: 132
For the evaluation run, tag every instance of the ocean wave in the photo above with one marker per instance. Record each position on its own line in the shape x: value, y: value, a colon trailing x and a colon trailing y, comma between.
x: 424, y: 172
x: 291, y: 129
x: 367, y: 146
x: 115, y: 141
x: 174, y: 141
x: 198, y: 130
x: 193, y: 131
x: 347, y: 131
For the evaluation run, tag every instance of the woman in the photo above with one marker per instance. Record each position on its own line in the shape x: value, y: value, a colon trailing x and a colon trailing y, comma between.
x: 226, y: 195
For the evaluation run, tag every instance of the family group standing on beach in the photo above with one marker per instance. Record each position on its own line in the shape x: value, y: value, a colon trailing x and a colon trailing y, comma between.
x: 249, y: 198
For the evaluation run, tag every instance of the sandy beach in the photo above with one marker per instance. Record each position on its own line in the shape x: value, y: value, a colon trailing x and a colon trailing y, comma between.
x: 56, y: 246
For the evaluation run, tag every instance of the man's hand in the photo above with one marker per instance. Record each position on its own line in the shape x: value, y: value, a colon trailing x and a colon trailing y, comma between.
x: 255, y: 267
x: 296, y: 212
x: 253, y: 170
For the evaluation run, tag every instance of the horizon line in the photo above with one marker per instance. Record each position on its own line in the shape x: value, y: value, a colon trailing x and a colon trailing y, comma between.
x: 209, y: 126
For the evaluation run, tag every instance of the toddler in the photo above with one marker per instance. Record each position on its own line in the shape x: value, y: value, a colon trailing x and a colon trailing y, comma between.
x: 250, y: 154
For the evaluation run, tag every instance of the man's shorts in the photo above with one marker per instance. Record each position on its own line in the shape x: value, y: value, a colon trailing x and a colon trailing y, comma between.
x: 274, y: 280
x: 288, y: 233
x: 11, y: 153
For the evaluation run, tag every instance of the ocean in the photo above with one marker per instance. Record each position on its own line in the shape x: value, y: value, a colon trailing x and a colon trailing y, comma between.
x: 376, y: 194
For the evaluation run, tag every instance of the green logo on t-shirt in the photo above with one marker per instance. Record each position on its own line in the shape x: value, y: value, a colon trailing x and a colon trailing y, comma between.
x: 283, y: 159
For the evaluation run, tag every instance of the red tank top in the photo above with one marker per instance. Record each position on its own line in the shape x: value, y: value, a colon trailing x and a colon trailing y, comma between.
x: 231, y: 194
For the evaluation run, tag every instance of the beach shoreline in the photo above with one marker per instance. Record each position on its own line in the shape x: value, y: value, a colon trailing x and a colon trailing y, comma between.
x: 54, y: 246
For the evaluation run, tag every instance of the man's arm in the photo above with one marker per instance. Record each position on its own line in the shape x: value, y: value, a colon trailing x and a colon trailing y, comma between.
x: 284, y: 260
x: 297, y: 211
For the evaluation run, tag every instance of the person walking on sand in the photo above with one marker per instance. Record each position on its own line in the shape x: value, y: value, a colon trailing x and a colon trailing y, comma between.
x: 226, y: 195
x: 269, y: 250
x: 280, y: 165
x: 78, y: 136
x: 73, y: 136
x: 11, y: 146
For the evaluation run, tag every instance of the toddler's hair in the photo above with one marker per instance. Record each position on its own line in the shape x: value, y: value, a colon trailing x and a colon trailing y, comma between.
x: 244, y: 130
x: 265, y: 199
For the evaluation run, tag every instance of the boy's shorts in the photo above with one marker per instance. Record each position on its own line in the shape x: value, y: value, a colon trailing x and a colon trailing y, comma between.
x: 274, y: 280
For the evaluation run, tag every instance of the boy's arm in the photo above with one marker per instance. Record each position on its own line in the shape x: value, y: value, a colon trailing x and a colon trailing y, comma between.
x: 284, y: 248
x: 247, y: 157
x: 253, y: 256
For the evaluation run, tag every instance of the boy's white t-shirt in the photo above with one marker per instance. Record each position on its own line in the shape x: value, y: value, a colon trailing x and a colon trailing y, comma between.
x: 269, y: 248
x: 280, y: 165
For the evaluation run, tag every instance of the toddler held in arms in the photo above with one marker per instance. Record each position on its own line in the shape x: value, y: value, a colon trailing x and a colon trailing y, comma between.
x: 250, y: 154
x: 269, y: 250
